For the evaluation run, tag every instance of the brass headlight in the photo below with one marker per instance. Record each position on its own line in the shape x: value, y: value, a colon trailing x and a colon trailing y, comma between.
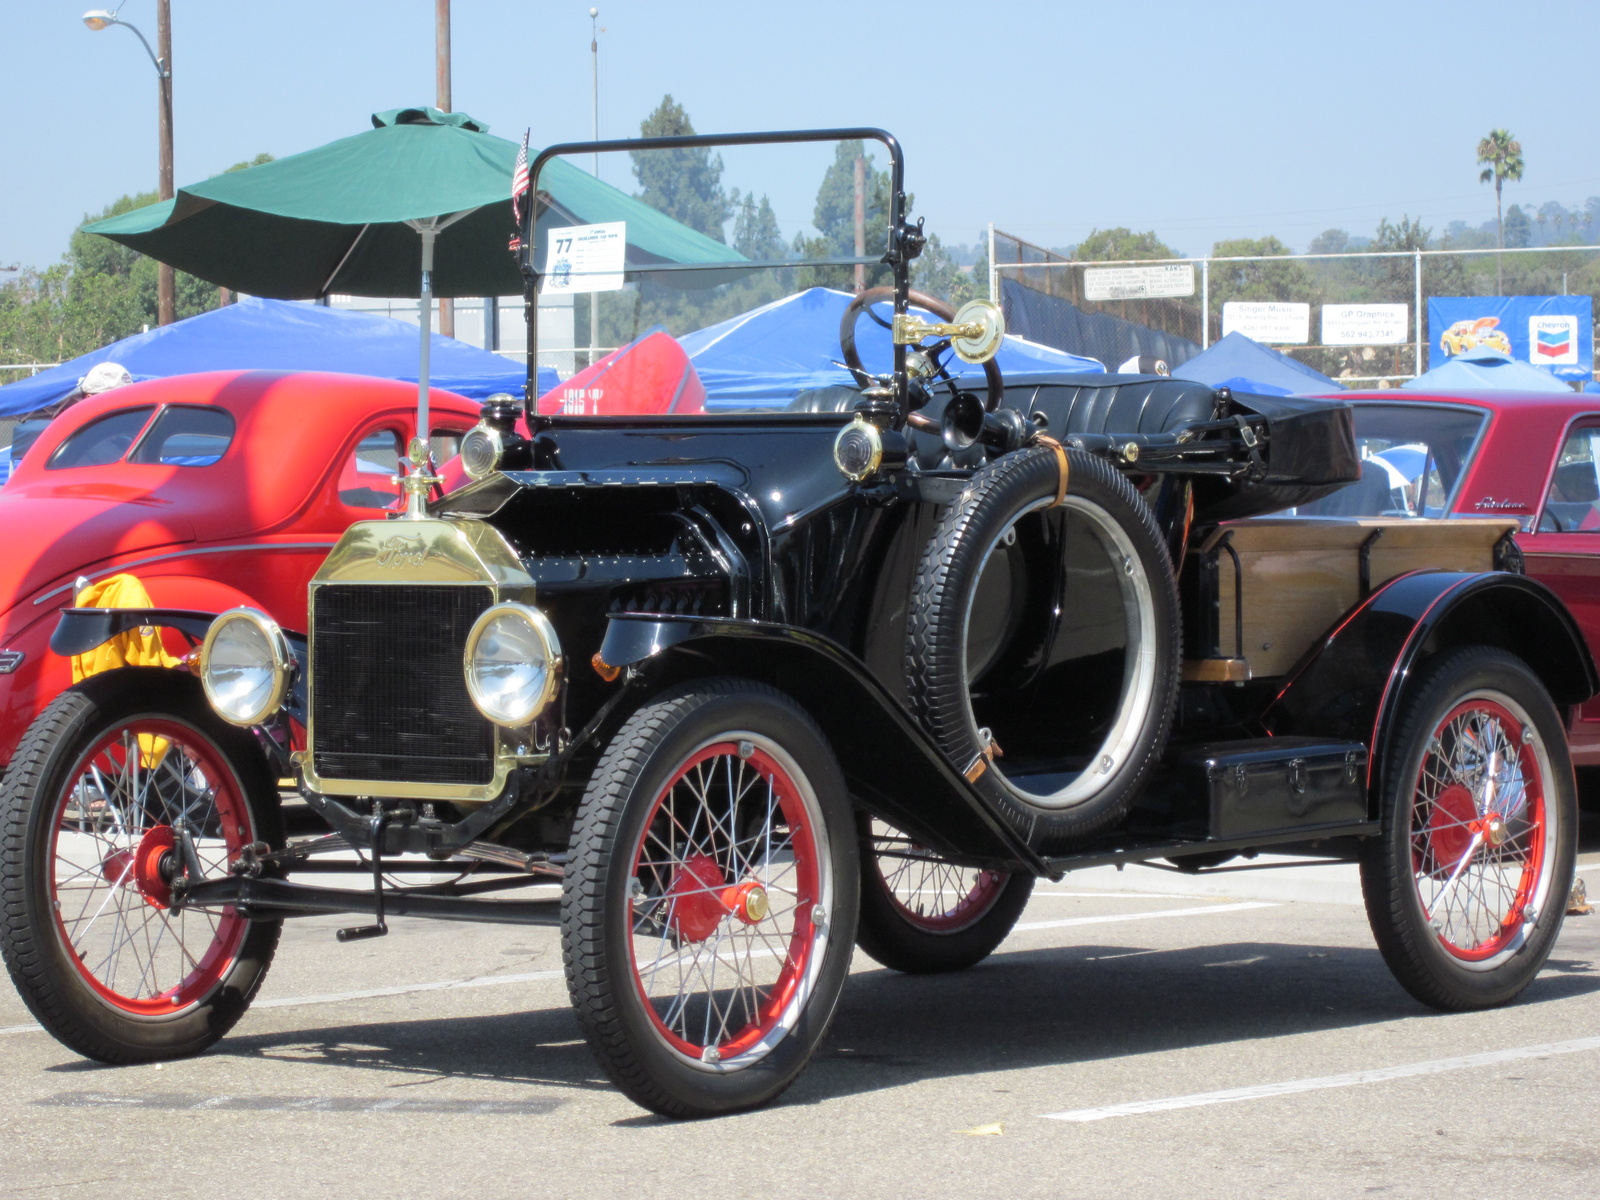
x: 513, y: 664
x: 858, y: 450
x: 245, y: 666
x: 481, y: 451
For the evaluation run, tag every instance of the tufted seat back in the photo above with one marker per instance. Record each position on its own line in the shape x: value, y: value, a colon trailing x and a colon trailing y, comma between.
x: 1112, y: 403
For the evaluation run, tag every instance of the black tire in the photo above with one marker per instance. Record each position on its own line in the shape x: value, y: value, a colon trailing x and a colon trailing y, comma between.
x: 1002, y: 634
x: 70, y: 826
x: 1510, y: 846
x: 922, y: 914
x: 673, y: 1041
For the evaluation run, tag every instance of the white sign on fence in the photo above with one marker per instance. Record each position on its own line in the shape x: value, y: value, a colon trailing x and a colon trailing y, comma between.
x: 1138, y: 283
x: 1364, y: 324
x: 1268, y: 321
x: 585, y: 258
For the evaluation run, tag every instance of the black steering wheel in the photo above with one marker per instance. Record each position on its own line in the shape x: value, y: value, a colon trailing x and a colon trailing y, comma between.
x: 864, y: 301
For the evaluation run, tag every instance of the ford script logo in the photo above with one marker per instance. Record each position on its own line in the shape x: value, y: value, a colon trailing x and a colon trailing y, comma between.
x: 400, y: 551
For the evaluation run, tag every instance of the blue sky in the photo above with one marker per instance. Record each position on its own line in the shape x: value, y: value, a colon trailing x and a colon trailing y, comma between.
x: 1201, y: 121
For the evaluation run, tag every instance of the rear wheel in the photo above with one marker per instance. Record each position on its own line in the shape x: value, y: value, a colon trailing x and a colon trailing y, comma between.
x: 922, y: 914
x: 1466, y: 887
x: 93, y: 813
x: 710, y: 899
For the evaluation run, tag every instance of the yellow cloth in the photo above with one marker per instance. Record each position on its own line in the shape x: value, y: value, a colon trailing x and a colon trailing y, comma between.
x: 134, y: 648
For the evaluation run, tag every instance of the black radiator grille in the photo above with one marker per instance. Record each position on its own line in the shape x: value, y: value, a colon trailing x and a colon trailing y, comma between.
x: 389, y: 699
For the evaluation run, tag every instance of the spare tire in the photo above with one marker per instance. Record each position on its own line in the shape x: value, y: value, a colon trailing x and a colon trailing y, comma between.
x: 1043, y: 645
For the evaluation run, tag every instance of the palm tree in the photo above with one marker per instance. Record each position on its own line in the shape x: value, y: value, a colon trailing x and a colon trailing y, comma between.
x: 1503, y: 154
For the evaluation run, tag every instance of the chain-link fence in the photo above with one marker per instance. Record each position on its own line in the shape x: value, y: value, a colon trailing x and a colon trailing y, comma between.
x: 1359, y: 317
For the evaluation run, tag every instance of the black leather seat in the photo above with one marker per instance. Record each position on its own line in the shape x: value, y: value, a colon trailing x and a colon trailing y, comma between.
x: 1112, y: 403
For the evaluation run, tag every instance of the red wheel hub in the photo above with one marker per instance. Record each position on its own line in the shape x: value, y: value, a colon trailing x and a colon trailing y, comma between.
x: 696, y: 893
x: 1451, y: 825
x: 146, y: 868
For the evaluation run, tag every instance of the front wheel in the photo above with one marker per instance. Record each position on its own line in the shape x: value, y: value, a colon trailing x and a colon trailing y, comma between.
x: 923, y: 914
x: 107, y: 783
x: 1466, y: 887
x: 710, y: 899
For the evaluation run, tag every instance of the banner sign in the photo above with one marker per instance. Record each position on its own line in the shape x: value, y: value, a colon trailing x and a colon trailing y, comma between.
x: 1365, y: 324
x: 1552, y: 332
x: 1269, y: 322
x: 585, y: 258
x: 1138, y: 283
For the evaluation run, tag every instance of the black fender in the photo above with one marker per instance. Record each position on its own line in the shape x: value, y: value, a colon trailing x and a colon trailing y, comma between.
x: 81, y: 630
x: 1349, y: 684
x: 893, y: 768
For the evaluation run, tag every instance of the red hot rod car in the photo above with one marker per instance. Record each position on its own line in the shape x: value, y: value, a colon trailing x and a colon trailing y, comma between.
x: 215, y: 490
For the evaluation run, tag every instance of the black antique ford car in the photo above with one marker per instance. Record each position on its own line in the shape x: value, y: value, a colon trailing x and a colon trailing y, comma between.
x: 757, y: 684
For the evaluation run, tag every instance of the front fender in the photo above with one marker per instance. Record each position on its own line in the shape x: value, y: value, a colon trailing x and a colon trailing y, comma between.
x: 894, y: 770
x: 1349, y: 685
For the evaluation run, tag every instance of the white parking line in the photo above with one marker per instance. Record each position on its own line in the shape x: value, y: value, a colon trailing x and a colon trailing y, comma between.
x: 1196, y: 911
x: 1262, y: 1091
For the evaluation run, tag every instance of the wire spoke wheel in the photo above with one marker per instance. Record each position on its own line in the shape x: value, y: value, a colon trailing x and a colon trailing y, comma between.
x: 115, y: 853
x: 928, y: 891
x: 123, y: 785
x: 710, y: 898
x: 1478, y: 823
x: 922, y: 913
x: 1465, y: 887
x: 727, y: 885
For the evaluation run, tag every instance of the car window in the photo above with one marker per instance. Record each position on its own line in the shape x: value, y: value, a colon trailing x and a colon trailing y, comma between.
x: 100, y: 442
x: 365, y: 481
x: 1572, y: 505
x: 1413, y: 456
x: 186, y: 436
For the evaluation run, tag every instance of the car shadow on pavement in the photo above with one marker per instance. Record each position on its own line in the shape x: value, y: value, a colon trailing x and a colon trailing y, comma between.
x: 1020, y: 1009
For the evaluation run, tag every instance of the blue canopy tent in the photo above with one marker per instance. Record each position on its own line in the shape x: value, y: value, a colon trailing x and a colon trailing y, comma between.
x: 1245, y: 365
x: 259, y: 334
x: 1485, y: 368
x: 770, y: 354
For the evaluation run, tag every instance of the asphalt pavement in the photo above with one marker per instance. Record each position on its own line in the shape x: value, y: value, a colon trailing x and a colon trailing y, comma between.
x: 1141, y: 1032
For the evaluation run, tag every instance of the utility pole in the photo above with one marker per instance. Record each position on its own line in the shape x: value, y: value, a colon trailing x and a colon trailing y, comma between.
x: 594, y: 87
x: 441, y: 45
x: 861, y: 222
x: 166, y: 283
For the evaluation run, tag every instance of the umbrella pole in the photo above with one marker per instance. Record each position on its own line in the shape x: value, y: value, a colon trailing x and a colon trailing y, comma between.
x: 419, y: 483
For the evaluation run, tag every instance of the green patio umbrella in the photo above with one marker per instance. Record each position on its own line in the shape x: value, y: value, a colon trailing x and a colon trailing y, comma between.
x: 419, y: 205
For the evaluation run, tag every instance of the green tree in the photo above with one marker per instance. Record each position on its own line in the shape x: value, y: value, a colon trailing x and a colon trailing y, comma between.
x: 684, y: 184
x: 1503, y: 155
x: 755, y: 229
x: 1257, y: 280
x: 1517, y: 228
x: 834, y: 217
x: 1121, y: 244
x: 1329, y: 241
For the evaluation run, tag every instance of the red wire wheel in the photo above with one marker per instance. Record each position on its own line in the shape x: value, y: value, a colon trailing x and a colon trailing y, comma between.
x: 929, y: 892
x: 113, y: 854
x: 1478, y: 829
x: 728, y: 880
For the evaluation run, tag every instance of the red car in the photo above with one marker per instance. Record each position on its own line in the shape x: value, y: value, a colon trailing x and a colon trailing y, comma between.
x: 215, y: 490
x: 1530, y: 456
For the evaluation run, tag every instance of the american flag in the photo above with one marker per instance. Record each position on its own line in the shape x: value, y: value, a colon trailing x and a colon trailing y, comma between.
x: 519, y: 178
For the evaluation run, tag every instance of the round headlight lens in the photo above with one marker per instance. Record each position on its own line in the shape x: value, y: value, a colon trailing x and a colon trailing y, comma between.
x: 244, y: 666
x: 513, y: 664
x: 480, y: 451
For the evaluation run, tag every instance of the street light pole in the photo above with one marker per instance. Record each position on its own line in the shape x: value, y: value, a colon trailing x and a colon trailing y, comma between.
x: 99, y: 18
x: 166, y: 281
x: 594, y: 88
x: 441, y: 43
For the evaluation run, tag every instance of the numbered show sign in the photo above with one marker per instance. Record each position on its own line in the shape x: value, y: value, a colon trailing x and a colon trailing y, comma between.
x: 585, y: 258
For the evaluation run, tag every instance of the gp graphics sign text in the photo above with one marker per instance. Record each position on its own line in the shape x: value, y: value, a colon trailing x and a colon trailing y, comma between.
x: 1555, y: 333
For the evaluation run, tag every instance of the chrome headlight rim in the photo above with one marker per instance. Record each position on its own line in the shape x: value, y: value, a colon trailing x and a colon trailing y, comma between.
x: 281, y: 665
x: 555, y: 664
